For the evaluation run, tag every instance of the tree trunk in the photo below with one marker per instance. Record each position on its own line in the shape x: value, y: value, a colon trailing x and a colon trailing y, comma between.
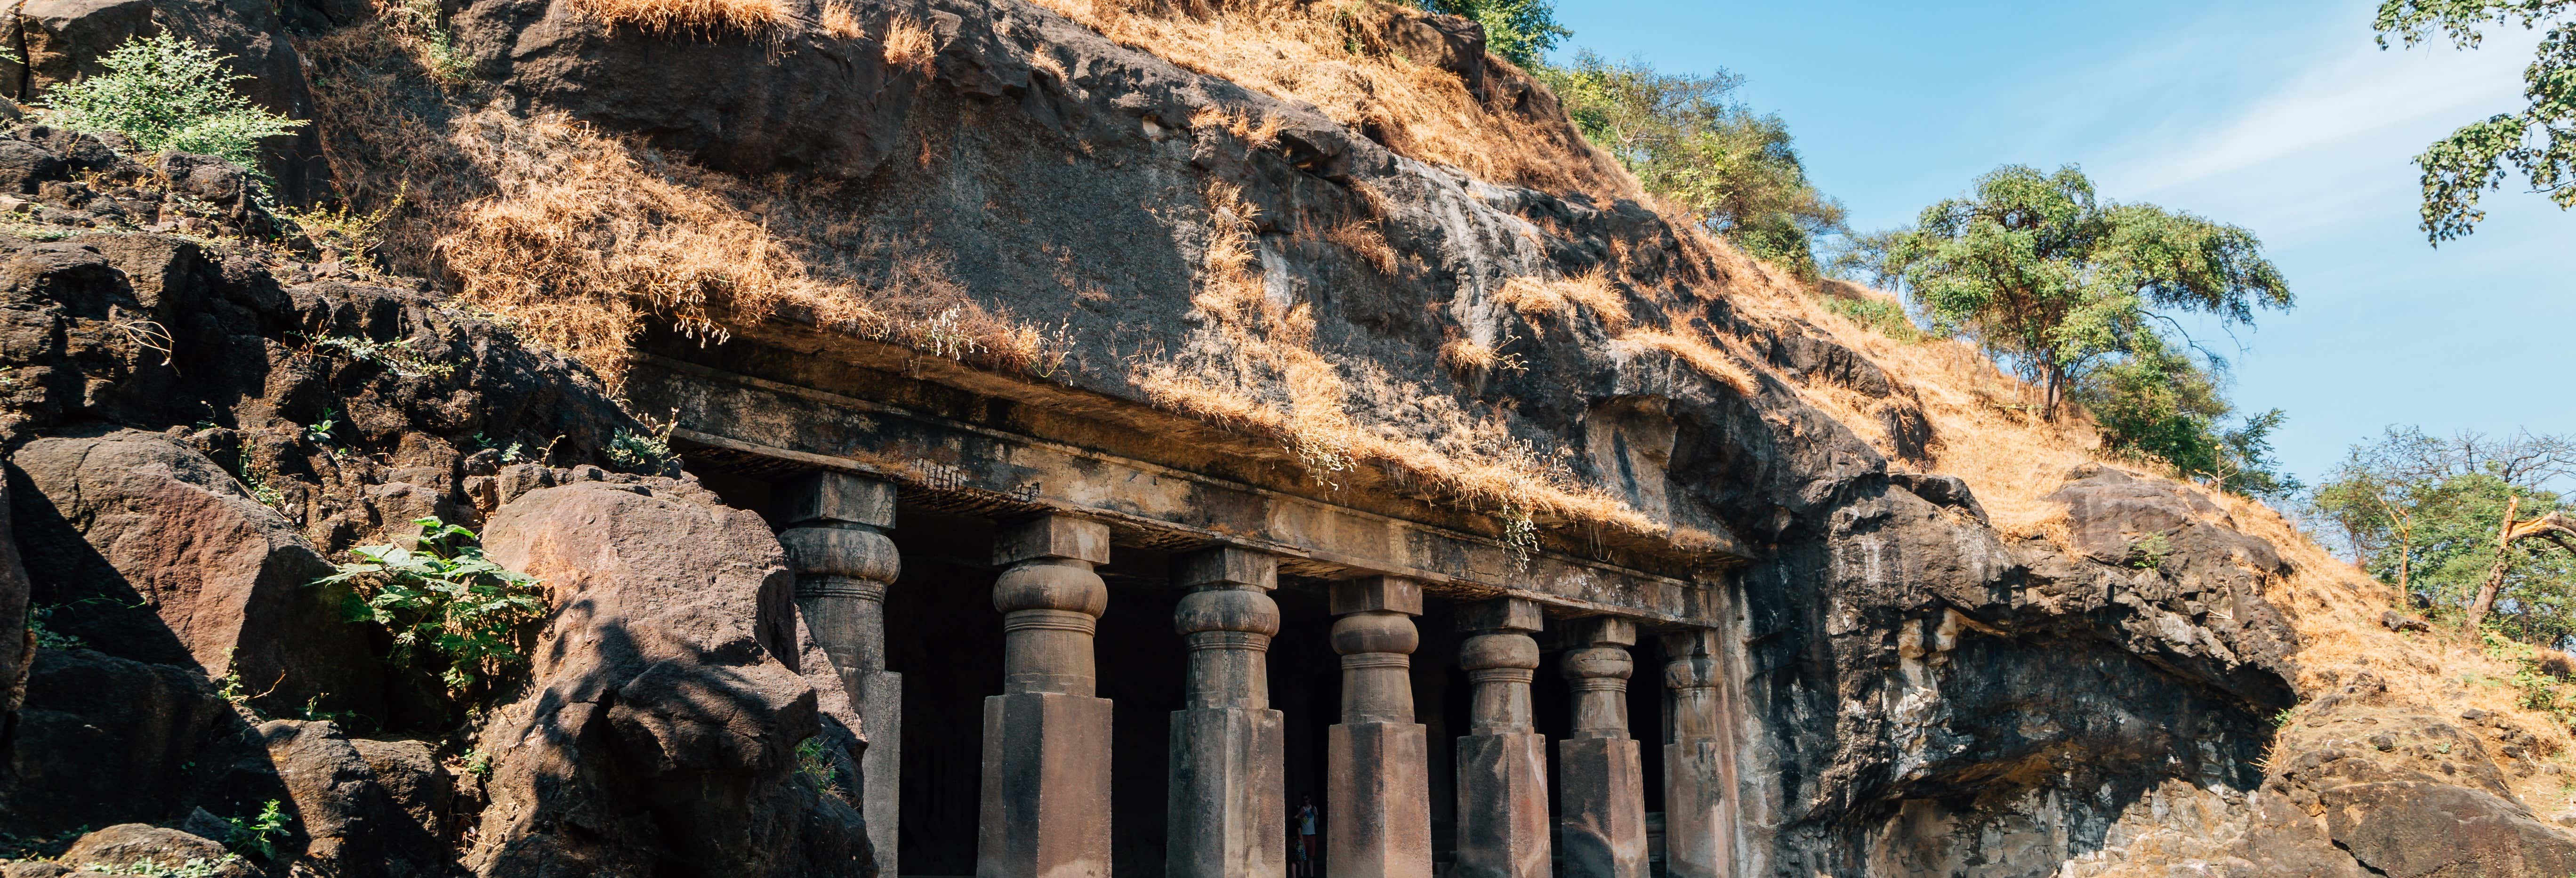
x: 2553, y: 526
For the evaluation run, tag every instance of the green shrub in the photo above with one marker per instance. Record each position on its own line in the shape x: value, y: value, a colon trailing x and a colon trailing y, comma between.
x: 1877, y: 315
x: 452, y: 611
x: 168, y: 94
x: 258, y: 835
x: 647, y: 453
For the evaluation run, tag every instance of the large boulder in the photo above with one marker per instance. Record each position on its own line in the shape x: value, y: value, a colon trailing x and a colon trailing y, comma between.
x: 664, y: 695
x: 137, y: 849
x: 348, y: 823
x: 2417, y: 829
x: 104, y: 739
x: 165, y: 557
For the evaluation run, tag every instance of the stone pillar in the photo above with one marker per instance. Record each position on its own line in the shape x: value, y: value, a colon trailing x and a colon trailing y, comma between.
x: 1502, y: 763
x: 1377, y: 818
x: 1228, y: 807
x: 1046, y: 737
x: 1600, y: 775
x: 1697, y: 828
x: 835, y: 539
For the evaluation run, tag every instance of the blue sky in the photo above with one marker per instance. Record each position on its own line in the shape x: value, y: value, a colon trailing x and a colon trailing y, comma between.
x: 2282, y: 117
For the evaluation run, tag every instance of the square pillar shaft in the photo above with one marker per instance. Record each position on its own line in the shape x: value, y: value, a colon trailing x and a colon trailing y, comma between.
x: 1377, y: 759
x: 1601, y: 783
x: 1600, y: 772
x: 1502, y: 765
x: 1378, y: 796
x: 1046, y: 737
x: 1228, y: 806
x: 835, y: 540
x: 1698, y: 823
x: 1046, y: 787
x: 1227, y: 815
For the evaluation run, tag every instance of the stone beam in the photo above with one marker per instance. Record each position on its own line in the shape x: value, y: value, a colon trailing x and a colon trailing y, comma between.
x: 970, y: 466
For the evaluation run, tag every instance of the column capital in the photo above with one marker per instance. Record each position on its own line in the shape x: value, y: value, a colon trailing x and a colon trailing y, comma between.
x: 1061, y: 537
x: 1600, y: 631
x: 1388, y: 593
x: 1685, y: 643
x: 1225, y: 567
x: 828, y: 496
x: 1501, y: 616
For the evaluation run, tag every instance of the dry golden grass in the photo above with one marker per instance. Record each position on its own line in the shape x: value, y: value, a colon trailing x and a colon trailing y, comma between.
x: 754, y: 17
x: 909, y: 44
x: 1535, y: 298
x: 1699, y: 350
x: 1366, y: 241
x: 1465, y: 458
x: 1328, y: 54
x: 840, y: 22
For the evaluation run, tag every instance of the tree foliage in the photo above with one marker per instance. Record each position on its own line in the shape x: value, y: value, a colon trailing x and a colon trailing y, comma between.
x: 2422, y: 513
x: 167, y: 93
x: 1521, y: 31
x: 453, y: 612
x: 2158, y: 401
x: 2057, y: 281
x: 1735, y: 171
x: 2539, y: 140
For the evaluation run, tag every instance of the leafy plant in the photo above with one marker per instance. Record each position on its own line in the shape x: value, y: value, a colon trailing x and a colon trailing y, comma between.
x: 1736, y: 171
x: 452, y: 611
x: 647, y: 453
x: 40, y: 626
x: 2540, y: 140
x: 2058, y: 282
x: 2149, y: 552
x: 258, y: 834
x: 396, y: 356
x: 258, y: 485
x: 352, y: 233
x: 320, y: 431
x: 168, y: 94
x: 1881, y: 316
x: 418, y: 21
x: 478, y: 763
x: 1520, y: 31
x: 815, y: 764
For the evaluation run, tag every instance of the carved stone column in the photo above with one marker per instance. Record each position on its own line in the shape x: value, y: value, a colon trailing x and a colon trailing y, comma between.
x: 1502, y: 763
x: 1697, y: 826
x: 835, y: 539
x: 1046, y: 737
x: 1600, y: 775
x: 1378, y: 794
x: 1228, y: 807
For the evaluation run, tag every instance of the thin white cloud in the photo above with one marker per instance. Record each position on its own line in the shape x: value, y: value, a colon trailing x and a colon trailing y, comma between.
x: 2358, y: 106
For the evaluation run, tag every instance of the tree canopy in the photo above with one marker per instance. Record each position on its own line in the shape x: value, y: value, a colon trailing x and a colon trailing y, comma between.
x: 2056, y: 281
x: 1735, y: 171
x: 2423, y: 513
x: 2539, y: 140
x: 1519, y: 30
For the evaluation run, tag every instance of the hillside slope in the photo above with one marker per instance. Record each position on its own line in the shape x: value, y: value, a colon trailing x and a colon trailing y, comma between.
x: 1362, y: 261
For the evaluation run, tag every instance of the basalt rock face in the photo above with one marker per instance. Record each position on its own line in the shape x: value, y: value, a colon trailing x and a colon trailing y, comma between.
x: 191, y: 429
x: 1917, y: 691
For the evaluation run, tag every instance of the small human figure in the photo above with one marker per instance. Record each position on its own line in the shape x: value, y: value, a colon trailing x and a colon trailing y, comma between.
x: 1297, y: 864
x: 1306, y: 832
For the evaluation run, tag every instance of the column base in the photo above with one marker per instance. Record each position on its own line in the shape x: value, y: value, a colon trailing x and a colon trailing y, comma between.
x: 1601, y: 785
x: 1377, y: 801
x: 880, y: 707
x: 1695, y: 831
x: 1046, y: 787
x: 1228, y: 805
x: 1502, y: 807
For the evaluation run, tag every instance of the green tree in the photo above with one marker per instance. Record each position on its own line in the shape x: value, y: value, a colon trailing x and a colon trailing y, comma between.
x: 168, y: 94
x: 2540, y: 140
x: 1735, y: 171
x: 1521, y: 31
x: 2157, y: 400
x: 2423, y: 514
x: 2057, y: 282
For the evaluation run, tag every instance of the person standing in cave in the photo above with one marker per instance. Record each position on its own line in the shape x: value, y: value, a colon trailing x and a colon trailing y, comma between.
x: 1306, y: 831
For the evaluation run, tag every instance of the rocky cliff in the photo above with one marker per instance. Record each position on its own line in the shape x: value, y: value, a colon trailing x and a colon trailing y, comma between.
x: 1376, y: 260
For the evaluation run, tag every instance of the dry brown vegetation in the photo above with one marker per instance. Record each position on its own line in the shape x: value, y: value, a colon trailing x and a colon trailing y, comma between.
x: 1462, y: 457
x: 909, y: 44
x: 577, y: 238
x: 1328, y: 54
x: 754, y: 17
